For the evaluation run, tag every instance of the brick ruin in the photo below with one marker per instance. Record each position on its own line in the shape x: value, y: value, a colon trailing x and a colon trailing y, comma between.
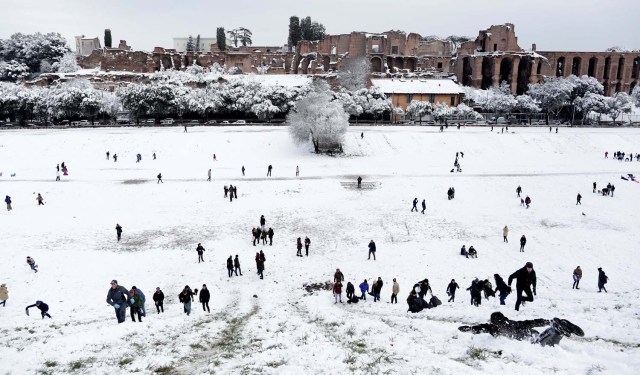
x: 493, y: 57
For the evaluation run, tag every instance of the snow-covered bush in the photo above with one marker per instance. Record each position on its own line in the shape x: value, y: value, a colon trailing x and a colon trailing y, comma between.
x: 418, y: 109
x: 319, y: 119
x: 13, y: 71
x: 31, y: 49
x: 67, y: 64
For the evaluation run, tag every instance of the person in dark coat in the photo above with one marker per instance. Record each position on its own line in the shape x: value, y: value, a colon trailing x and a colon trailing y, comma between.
x: 230, y: 265
x: 135, y: 303
x: 270, y: 234
x: 377, y: 288
x: 359, y: 182
x: 451, y: 290
x: 523, y: 241
x: 260, y: 265
x: 338, y: 276
x: 43, y: 307
x: 254, y: 233
x: 351, y: 290
x: 578, y: 198
x: 525, y: 277
x: 200, y: 251
x: 7, y: 200
x: 160, y: 178
x: 307, y: 243
x: 602, y: 279
x: 502, y: 326
x: 475, y: 289
x: 424, y: 205
x: 204, y: 298
x: 186, y: 297
x: 415, y: 205
x: 236, y: 265
x: 424, y: 288
x: 299, y: 247
x: 577, y: 275
x: 118, y: 231
x: 226, y: 191
x: 594, y: 187
x: 263, y: 221
x: 158, y: 299
x: 372, y: 250
x: 32, y: 263
x: 464, y: 252
x: 527, y: 201
x: 269, y: 169
x: 263, y: 236
x: 518, y: 191
x: 117, y: 296
x: 501, y: 287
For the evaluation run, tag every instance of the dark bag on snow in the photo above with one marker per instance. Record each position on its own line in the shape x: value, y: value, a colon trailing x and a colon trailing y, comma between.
x: 435, y: 301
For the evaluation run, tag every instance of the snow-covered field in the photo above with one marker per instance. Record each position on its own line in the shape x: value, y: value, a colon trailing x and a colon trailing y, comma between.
x: 273, y: 325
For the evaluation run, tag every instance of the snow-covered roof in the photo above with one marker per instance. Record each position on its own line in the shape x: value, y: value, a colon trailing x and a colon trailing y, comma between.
x: 417, y: 86
x: 285, y: 80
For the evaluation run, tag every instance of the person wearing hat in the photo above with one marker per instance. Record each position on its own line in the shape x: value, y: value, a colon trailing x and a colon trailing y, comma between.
x: 117, y: 296
x: 602, y: 279
x: 43, y: 307
x: 4, y: 295
x: 525, y: 278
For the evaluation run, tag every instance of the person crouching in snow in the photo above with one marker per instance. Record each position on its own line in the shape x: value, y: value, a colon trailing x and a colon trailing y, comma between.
x: 43, y: 307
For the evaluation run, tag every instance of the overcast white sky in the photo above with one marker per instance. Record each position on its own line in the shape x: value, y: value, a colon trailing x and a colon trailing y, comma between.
x: 555, y: 25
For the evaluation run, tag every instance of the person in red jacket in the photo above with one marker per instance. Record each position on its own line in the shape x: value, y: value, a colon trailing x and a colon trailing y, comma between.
x: 337, y: 292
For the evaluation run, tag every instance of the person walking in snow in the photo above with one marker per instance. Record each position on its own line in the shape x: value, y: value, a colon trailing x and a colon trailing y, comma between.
x: 204, y: 298
x: 158, y: 299
x: 475, y: 289
x: 209, y: 175
x: 518, y: 190
x: 186, y: 297
x: 527, y: 201
x: 613, y: 188
x: 107, y: 158
x: 115, y: 158
x: 40, y: 200
x: 236, y: 265
x: 424, y: 205
x: 57, y: 175
x: 118, y: 231
x: 415, y: 205
x: 143, y: 311
x: 32, y: 263
x: 200, y: 251
x: 135, y: 304
x: 337, y: 291
x: 505, y: 233
x: 263, y: 236
x: 231, y: 193
x: 395, y: 290
x: 235, y: 192
x: 307, y: 243
x: 117, y: 296
x: 230, y: 265
x: 364, y: 289
x: 270, y: 234
x: 577, y: 275
x: 4, y: 295
x: 7, y: 200
x: 602, y: 279
x: 260, y: 265
x: 501, y: 287
x: 377, y: 289
x: 578, y: 198
x: 154, y: 156
x: 594, y: 187
x: 43, y: 307
x: 338, y: 276
x: 359, y: 182
x: 525, y: 277
x: 269, y: 168
x: 226, y: 190
x: 523, y: 241
x: 297, y: 171
x: 372, y: 250
x: 243, y: 170
x: 451, y: 290
x: 263, y: 221
x: 160, y: 178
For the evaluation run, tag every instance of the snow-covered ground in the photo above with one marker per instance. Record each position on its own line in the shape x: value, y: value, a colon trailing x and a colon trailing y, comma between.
x: 273, y: 325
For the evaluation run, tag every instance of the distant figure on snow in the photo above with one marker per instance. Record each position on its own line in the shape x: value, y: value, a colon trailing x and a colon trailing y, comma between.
x: 43, y: 307
x: 269, y: 168
x: 7, y: 200
x: 160, y: 178
x: 523, y: 241
x: 602, y: 279
x: 359, y: 182
x: 40, y: 200
x: 32, y: 263
x: 118, y: 231
x: 578, y: 198
x: 577, y: 275
x: 200, y: 251
x: 415, y: 205
x: 505, y: 233
x: 372, y: 250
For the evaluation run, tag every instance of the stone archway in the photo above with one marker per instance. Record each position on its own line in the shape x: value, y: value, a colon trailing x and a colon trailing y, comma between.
x: 576, y: 65
x: 635, y: 69
x: 560, y: 67
x: 398, y: 63
x: 620, y: 68
x: 326, y: 63
x: 524, y: 74
x: 632, y: 86
x: 487, y: 72
x: 593, y: 67
x: 506, y: 70
x: 390, y: 63
x: 607, y: 67
x: 376, y: 64
x: 410, y: 64
x: 467, y: 71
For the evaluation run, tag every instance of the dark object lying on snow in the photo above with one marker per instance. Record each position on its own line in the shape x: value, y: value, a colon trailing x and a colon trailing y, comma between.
x: 502, y: 326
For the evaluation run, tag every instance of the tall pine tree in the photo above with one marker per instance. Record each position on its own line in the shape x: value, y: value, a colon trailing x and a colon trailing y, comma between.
x: 107, y: 38
x: 305, y: 27
x: 295, y: 33
x: 190, y: 46
x: 198, y: 43
x: 221, y: 38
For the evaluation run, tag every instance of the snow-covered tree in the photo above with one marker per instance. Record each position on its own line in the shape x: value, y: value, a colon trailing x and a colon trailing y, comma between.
x: 418, y: 109
x: 348, y: 103
x: 45, y: 67
x: 373, y: 102
x: 67, y: 64
x: 354, y: 73
x: 31, y: 49
x: 591, y: 103
x: 635, y: 94
x: 319, y: 119
x: 190, y: 44
x: 110, y: 104
x: 500, y: 99
x: 618, y: 104
x: 265, y: 110
x: 441, y: 110
x: 13, y: 71
x: 553, y: 94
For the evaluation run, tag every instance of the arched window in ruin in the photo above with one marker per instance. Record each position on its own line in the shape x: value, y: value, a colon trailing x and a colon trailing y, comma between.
x: 376, y: 65
x: 636, y: 68
x: 618, y: 86
x: 487, y: 73
x: 398, y: 63
x: 575, y: 66
x: 620, y: 68
x: 593, y: 65
x: 506, y: 69
x: 605, y: 85
x: 326, y: 63
x: 390, y: 63
x: 632, y: 86
x: 607, y: 67
x: 524, y: 73
x: 410, y: 64
x: 560, y: 67
x: 467, y: 71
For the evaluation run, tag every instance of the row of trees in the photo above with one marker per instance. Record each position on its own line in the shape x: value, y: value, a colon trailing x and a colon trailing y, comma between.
x: 571, y: 97
x: 25, y: 54
x: 304, y: 29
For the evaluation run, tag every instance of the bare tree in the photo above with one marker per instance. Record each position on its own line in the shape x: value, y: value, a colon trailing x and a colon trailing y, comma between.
x: 354, y: 73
